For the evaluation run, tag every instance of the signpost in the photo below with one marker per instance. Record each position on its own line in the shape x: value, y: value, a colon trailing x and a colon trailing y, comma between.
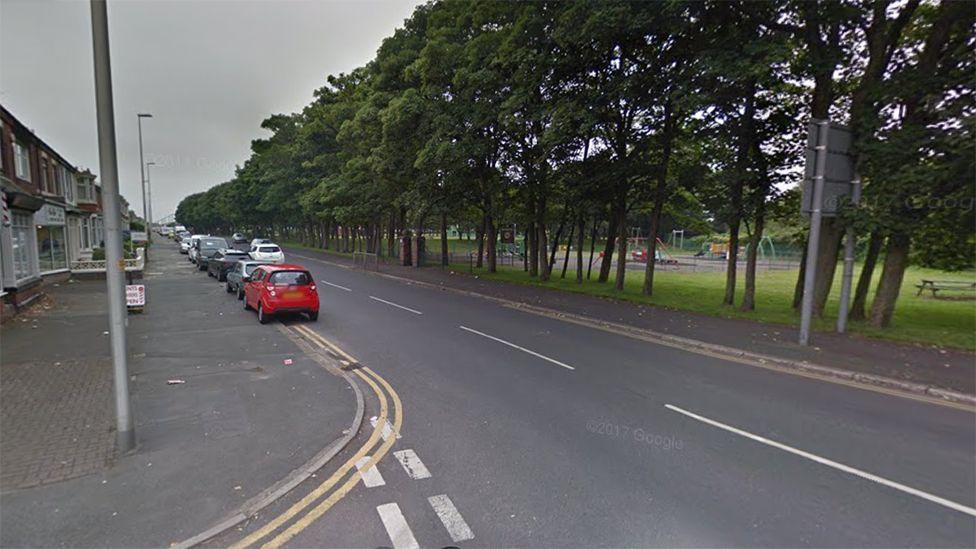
x: 829, y: 181
x: 135, y: 296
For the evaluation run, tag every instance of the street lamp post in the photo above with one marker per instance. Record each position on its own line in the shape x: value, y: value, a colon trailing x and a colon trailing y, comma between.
x: 142, y: 174
x: 114, y: 264
x: 149, y: 196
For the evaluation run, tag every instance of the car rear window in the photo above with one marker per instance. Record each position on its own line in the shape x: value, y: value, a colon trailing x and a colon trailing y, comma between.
x: 291, y: 278
x: 235, y: 253
x: 269, y: 249
x: 211, y: 243
x: 248, y: 269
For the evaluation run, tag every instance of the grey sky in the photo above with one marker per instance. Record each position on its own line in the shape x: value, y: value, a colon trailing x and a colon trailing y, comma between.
x: 209, y: 72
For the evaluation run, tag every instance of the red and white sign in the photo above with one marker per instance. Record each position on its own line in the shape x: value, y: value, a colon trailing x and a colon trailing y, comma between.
x: 135, y: 295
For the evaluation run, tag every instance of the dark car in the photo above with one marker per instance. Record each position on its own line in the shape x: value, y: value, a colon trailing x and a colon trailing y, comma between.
x: 206, y: 247
x: 223, y: 261
x: 238, y: 274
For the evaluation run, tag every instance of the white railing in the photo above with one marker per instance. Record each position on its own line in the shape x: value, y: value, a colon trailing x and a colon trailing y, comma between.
x: 98, y: 265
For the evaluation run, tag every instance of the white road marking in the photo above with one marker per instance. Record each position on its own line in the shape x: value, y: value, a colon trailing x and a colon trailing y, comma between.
x: 387, y: 428
x: 414, y: 311
x: 335, y: 285
x: 412, y: 464
x: 452, y: 519
x: 514, y: 346
x: 396, y: 527
x: 371, y: 476
x: 830, y: 463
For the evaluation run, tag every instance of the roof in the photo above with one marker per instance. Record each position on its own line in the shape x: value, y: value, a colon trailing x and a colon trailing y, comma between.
x: 285, y: 267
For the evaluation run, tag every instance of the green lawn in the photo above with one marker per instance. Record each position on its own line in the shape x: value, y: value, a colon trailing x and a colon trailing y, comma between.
x: 923, y: 320
x: 943, y: 322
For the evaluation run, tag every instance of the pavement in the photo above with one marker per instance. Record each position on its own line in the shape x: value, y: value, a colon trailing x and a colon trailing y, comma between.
x: 543, y: 433
x: 949, y: 369
x: 242, y: 421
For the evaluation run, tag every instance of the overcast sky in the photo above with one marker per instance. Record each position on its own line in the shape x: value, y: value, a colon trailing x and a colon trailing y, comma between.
x: 209, y: 72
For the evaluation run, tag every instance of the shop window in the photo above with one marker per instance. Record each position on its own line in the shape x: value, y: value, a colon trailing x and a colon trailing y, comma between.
x: 22, y: 237
x: 51, y: 250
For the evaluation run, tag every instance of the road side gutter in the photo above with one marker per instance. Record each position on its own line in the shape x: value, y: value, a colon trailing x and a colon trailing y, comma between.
x: 918, y: 391
x: 271, y: 494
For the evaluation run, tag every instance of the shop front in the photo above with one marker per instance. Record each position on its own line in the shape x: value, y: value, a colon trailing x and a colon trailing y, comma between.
x: 52, y: 244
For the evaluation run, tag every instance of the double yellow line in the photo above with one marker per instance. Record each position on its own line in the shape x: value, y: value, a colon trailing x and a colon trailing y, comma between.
x: 378, y: 385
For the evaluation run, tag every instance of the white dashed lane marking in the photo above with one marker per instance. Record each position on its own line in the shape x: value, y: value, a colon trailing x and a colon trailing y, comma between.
x: 371, y: 477
x: 392, y: 304
x: 396, y: 527
x: 451, y: 518
x: 335, y: 285
x: 829, y: 463
x: 387, y: 428
x: 412, y: 464
x: 520, y: 348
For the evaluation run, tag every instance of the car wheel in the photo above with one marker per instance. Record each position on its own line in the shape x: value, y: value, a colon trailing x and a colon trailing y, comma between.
x: 262, y: 318
x: 221, y: 277
x: 313, y: 316
x: 229, y: 289
x: 201, y: 267
x: 246, y: 306
x: 240, y: 294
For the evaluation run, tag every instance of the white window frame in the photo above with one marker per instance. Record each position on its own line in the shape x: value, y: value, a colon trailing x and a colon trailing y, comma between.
x: 22, y: 161
x: 69, y: 185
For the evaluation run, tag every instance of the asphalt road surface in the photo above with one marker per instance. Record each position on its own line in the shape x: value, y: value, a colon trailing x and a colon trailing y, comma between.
x: 524, y: 431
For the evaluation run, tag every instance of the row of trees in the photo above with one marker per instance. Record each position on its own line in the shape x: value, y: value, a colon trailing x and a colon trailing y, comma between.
x: 575, y: 117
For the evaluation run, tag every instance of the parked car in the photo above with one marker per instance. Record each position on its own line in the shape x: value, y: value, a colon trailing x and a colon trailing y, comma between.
x: 192, y: 252
x: 257, y: 241
x: 206, y: 247
x: 274, y: 289
x: 268, y: 252
x: 222, y: 261
x: 236, y: 274
x: 238, y: 238
x: 185, y: 245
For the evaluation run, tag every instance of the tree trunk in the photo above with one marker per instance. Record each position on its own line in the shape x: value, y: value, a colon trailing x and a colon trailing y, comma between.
x: 445, y: 258
x: 569, y: 246
x: 555, y: 246
x: 744, y: 146
x: 831, y: 233
x: 896, y: 260
x: 659, y: 195
x: 391, y: 244
x: 580, y: 238
x: 749, y: 295
x: 610, y: 246
x: 492, y: 244
x: 798, y: 288
x: 543, y: 241
x: 859, y: 306
x: 480, y: 236
x: 618, y: 283
x: 532, y: 249
x: 593, y: 233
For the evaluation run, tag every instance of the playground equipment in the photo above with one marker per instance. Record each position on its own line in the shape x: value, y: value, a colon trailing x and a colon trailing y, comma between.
x: 639, y: 254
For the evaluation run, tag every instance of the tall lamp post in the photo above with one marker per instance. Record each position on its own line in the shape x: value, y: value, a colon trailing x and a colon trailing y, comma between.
x: 142, y: 174
x: 149, y: 197
x: 114, y: 264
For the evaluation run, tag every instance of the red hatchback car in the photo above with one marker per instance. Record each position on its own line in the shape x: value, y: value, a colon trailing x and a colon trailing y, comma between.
x: 273, y: 289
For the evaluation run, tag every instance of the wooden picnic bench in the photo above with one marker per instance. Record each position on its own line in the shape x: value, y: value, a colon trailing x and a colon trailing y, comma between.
x: 936, y: 286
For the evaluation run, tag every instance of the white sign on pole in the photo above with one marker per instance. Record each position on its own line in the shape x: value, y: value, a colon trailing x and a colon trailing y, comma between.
x: 138, y: 236
x: 135, y: 295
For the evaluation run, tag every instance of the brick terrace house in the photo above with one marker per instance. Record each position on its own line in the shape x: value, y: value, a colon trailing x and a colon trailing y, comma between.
x: 52, y: 215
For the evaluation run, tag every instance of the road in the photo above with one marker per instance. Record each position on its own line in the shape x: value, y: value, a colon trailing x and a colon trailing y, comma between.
x: 541, y: 433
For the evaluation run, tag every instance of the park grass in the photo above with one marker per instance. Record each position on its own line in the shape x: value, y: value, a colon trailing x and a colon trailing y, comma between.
x: 917, y: 319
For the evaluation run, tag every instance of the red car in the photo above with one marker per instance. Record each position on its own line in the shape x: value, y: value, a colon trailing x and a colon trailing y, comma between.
x: 273, y: 289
